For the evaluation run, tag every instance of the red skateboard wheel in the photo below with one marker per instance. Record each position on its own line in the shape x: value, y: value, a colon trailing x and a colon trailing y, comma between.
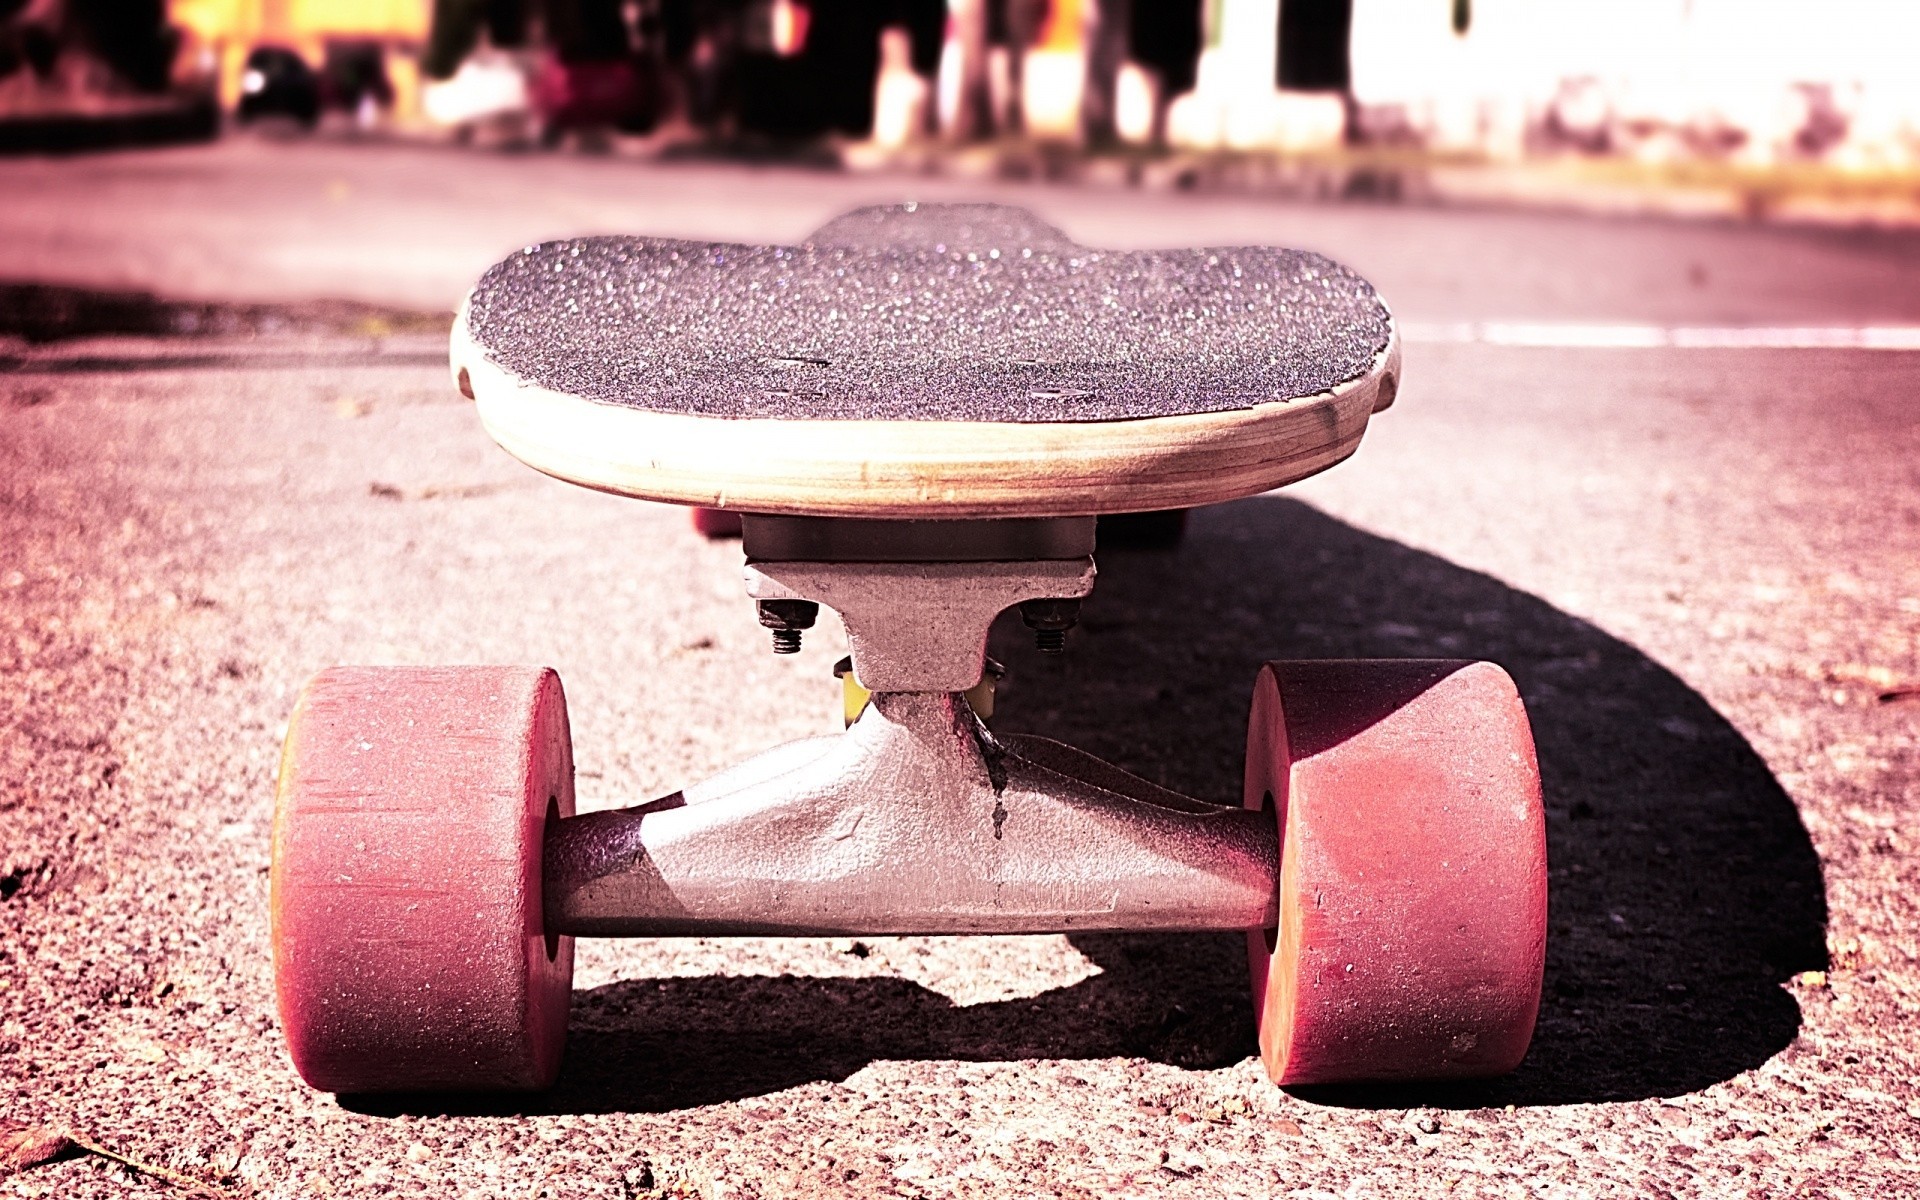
x: 408, y: 943
x: 716, y: 523
x: 1413, y: 885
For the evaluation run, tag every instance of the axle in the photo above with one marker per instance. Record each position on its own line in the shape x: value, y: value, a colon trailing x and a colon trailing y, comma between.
x: 916, y: 820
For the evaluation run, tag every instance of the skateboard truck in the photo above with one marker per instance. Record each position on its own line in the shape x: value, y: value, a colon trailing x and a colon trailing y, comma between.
x: 1385, y: 859
x: 917, y: 819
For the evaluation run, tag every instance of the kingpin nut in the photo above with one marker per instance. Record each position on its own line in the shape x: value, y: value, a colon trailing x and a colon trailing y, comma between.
x: 1050, y: 620
x: 787, y: 618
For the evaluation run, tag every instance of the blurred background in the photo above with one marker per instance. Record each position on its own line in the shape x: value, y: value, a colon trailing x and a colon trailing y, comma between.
x: 1665, y: 470
x: 1785, y: 103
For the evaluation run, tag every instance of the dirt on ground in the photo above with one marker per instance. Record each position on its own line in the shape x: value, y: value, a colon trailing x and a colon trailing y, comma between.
x: 1703, y: 570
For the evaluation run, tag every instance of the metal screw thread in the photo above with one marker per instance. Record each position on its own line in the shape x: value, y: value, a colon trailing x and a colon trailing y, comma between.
x: 786, y: 618
x: 1050, y: 620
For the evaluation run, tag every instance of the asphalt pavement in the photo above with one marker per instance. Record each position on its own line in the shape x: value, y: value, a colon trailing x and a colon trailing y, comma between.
x: 1702, y: 566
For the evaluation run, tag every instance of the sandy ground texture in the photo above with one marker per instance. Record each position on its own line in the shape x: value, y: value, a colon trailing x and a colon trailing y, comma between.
x: 1702, y: 566
x: 1700, y: 613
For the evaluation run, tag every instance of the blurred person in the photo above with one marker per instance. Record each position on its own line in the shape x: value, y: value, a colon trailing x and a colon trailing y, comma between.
x: 573, y: 30
x: 455, y: 30
x: 785, y: 69
x: 1106, y: 52
x: 131, y: 37
x: 900, y: 96
x: 669, y: 34
x: 911, y: 44
x: 583, y: 31
x: 29, y: 42
x: 816, y: 69
x: 854, y: 48
x: 474, y: 79
x: 1164, y: 37
x: 277, y: 84
x: 695, y: 48
x: 987, y: 64
x: 1013, y: 27
x: 1313, y: 53
x: 783, y: 46
x: 489, y: 95
x: 695, y: 53
x: 925, y: 23
x: 590, y: 79
x: 353, y: 78
x: 80, y: 47
x: 963, y: 93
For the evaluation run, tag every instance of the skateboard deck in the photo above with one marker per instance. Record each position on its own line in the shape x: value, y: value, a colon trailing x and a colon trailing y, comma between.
x: 924, y: 361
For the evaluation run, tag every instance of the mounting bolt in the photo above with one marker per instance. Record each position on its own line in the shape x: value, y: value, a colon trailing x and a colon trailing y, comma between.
x: 1050, y: 620
x: 787, y: 618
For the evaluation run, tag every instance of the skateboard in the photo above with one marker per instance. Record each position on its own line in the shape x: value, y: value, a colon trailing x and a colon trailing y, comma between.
x: 963, y: 229
x: 920, y: 414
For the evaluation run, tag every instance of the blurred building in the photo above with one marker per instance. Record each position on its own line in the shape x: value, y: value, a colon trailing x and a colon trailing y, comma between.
x: 65, y: 53
x: 1752, y: 81
x: 1755, y: 82
x: 222, y: 33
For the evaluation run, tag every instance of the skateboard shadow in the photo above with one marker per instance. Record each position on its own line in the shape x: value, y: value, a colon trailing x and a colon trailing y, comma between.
x: 659, y: 1045
x: 1684, y: 889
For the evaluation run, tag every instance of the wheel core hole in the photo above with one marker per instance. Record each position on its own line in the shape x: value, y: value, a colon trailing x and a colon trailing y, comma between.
x: 553, y: 819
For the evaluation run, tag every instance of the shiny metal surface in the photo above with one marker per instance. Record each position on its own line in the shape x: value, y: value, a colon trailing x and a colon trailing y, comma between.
x: 914, y: 821
x: 919, y: 627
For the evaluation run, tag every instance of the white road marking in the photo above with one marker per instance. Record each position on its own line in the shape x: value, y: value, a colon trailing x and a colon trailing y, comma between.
x: 1592, y: 336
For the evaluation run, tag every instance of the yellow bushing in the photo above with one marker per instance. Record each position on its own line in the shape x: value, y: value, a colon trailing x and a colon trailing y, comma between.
x: 853, y: 697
